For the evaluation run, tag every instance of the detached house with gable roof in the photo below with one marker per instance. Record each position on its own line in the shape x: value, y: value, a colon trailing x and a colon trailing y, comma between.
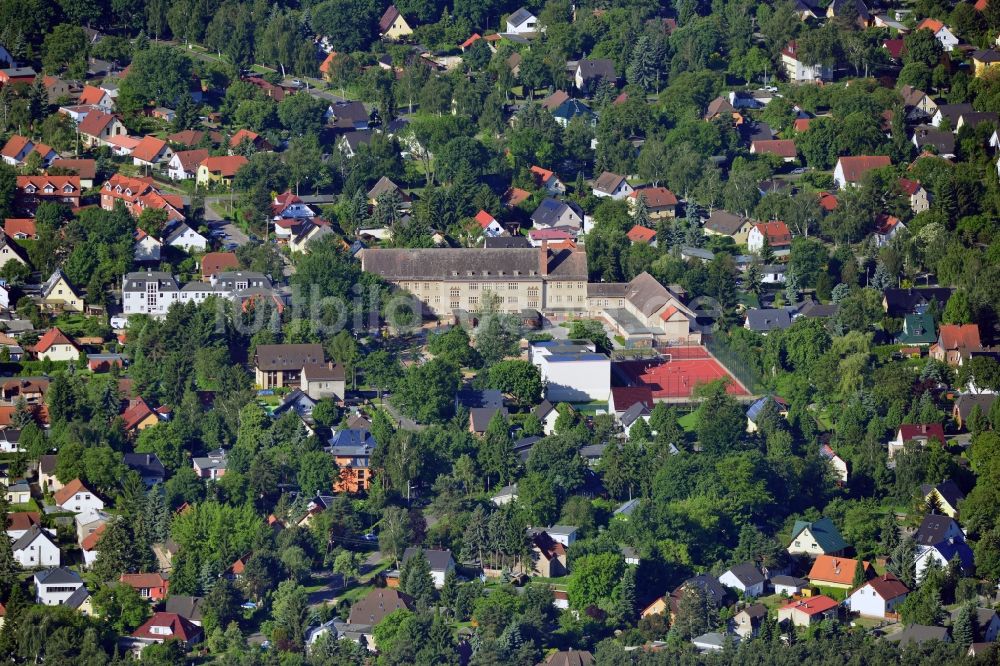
x: 921, y: 433
x: 940, y: 539
x: 941, y: 32
x: 163, y: 627
x: 746, y: 578
x: 151, y: 152
x: 393, y: 26
x: 97, y: 128
x: 660, y: 202
x: 798, y: 71
x: 76, y: 497
x: 36, y: 548
x: 776, y: 232
x: 56, y: 346
x: 850, y: 170
x: 878, y: 597
x: 955, y: 343
x: 59, y: 294
x: 55, y: 586
x: 590, y: 73
x: 820, y: 537
x: 184, y: 164
x: 522, y: 22
x: 836, y: 571
x: 219, y: 170
x: 612, y: 185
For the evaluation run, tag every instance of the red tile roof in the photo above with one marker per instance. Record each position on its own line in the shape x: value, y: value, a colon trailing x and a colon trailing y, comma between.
x: 812, y: 605
x: 779, y: 147
x: 828, y: 202
x: 95, y: 122
x: 541, y: 175
x: 910, y: 431
x: 484, y: 219
x: 243, y: 135
x: 884, y: 223
x: 656, y: 197
x: 801, y: 124
x: 895, y: 47
x: 216, y: 262
x: 22, y: 520
x: 180, y: 628
x: 833, y: 569
x: 64, y: 494
x: 515, y: 196
x: 136, y: 413
x: 190, y: 159
x: 90, y: 541
x: 57, y: 182
x: 908, y: 186
x: 20, y: 226
x: 324, y: 67
x: 226, y: 166
x: 930, y: 24
x: 641, y: 234
x: 149, y: 148
x: 776, y: 232
x: 14, y: 146
x: 960, y: 337
x: 470, y: 41
x: 626, y: 396
x: 138, y: 580
x: 856, y: 167
x: 53, y: 336
x: 91, y: 95
x: 888, y: 587
x: 84, y: 168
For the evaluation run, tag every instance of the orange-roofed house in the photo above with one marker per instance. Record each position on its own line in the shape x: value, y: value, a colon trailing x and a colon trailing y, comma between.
x: 219, y: 170
x: 955, y: 343
x: 548, y: 180
x: 801, y: 124
x: 641, y: 234
x: 660, y: 202
x: 776, y: 232
x: 32, y: 190
x: 515, y: 196
x: 94, y: 96
x: 879, y: 597
x: 138, y: 194
x: 783, y: 148
x: 76, y: 497
x: 138, y: 415
x: 20, y: 227
x: 470, y: 41
x: 491, y: 228
x: 218, y: 262
x: 835, y: 571
x: 828, y: 202
x: 151, y: 151
x: 256, y: 140
x: 805, y: 612
x: 151, y: 586
x: 18, y: 148
x: 163, y: 627
x: 98, y: 127
x: 917, y: 193
x: 56, y: 346
x: 942, y: 33
x: 326, y: 67
x: 886, y: 228
x: 850, y: 170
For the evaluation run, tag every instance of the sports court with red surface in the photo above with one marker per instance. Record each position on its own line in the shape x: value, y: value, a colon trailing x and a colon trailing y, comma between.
x: 677, y: 371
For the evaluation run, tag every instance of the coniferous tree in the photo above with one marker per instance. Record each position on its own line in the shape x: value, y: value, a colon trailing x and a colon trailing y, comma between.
x: 415, y: 577
x: 964, y: 631
x: 9, y: 567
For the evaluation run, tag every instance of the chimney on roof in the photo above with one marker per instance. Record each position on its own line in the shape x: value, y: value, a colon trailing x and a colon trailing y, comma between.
x: 543, y: 258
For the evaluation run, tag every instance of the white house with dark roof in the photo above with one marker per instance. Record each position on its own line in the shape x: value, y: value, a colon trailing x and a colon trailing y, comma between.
x: 54, y: 586
x: 612, y: 186
x: 745, y: 578
x: 441, y: 562
x: 522, y: 22
x: 36, y: 548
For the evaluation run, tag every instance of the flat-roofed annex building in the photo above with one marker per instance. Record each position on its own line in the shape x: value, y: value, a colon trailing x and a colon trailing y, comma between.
x: 450, y: 279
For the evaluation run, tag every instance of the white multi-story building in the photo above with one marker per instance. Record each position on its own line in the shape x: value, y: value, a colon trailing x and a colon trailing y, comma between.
x: 153, y: 292
x: 572, y: 372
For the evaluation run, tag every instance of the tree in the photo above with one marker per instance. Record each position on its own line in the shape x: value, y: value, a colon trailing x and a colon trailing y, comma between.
x: 957, y: 310
x: 496, y: 453
x: 592, y: 330
x: 66, y: 48
x: 536, y: 494
x: 415, y: 577
x: 9, y: 567
x: 347, y: 564
x: 519, y: 379
x: 395, y: 532
x: 498, y: 333
x: 221, y: 605
x: 964, y: 631
x: 291, y: 616
x: 123, y: 606
x: 317, y: 472
x: 160, y: 74
x: 594, y: 579
x: 721, y: 422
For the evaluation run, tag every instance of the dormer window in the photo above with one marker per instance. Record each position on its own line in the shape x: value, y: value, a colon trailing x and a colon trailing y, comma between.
x: 29, y: 188
x: 67, y: 188
x: 49, y: 189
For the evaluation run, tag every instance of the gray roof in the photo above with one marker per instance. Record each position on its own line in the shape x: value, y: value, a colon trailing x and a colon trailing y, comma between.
x: 76, y: 599
x: 287, y: 357
x: 636, y: 411
x: 58, y: 576
x: 697, y: 253
x: 50, y: 284
x: 501, y: 242
x: 550, y: 212
x: 919, y: 633
x: 476, y: 398
x: 948, y: 489
x: 188, y: 606
x: 480, y: 417
x: 29, y: 536
x: 812, y: 309
x: 768, y: 319
x: 966, y: 402
x: 145, y: 463
x: 724, y: 222
x: 747, y: 573
x: 463, y: 263
x: 646, y: 294
x: 943, y: 142
x: 519, y: 17
x: 933, y: 529
x: 212, y: 460
x: 790, y: 581
x: 572, y: 108
x: 440, y: 559
x: 608, y: 182
x: 598, y: 68
x: 136, y: 281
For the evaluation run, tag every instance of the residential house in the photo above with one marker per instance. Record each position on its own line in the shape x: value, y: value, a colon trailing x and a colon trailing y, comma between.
x: 385, y: 186
x: 373, y: 607
x: 556, y: 214
x: 548, y: 180
x: 878, y: 597
x: 837, y: 464
x: 985, y: 60
x: 955, y: 343
x: 987, y: 624
x: 918, y: 634
x: 643, y: 235
x: 163, y: 626
x: 33, y: 190
x: 945, y: 497
x: 151, y: 152
x: 900, y: 302
x: 84, y: 169
x: 836, y: 571
x: 47, y: 480
x: 98, y: 128
x: 797, y: 71
x: 139, y: 194
x: 97, y: 97
x: 138, y: 416
x: 15, y: 75
x: 764, y: 320
x: 918, y: 329
x: 931, y: 139
x: 441, y: 562
x: 776, y: 232
x: 611, y: 185
x: 54, y: 586
x: 146, y: 248
x: 393, y: 26
x: 183, y: 164
x: 967, y: 402
x: 181, y: 236
x: 782, y: 148
x: 974, y: 119
x: 940, y: 539
x: 788, y: 586
x: 288, y: 205
x: 721, y: 107
x: 489, y: 225
x: 351, y: 142
x: 36, y: 548
x: 660, y: 202
x: 887, y: 227
x: 186, y: 606
x: 724, y: 223
x: 19, y: 522
x: 323, y: 380
x: 348, y: 115
x: 746, y: 578
x: 918, y: 103
x: 18, y: 492
x: 590, y: 73
x: 573, y: 108
x: 245, y: 136
x: 214, y: 263
x: 58, y: 294
x: 277, y: 366
x: 18, y: 148
x: 151, y: 586
x: 11, y: 251
x: 219, y: 170
x: 805, y: 612
x: 210, y: 466
x: 746, y: 623
x: 310, y: 231
x: 352, y: 450
x: 522, y: 22
x: 949, y: 114
x: 757, y: 408
x: 547, y: 414
x: 819, y: 537
x: 148, y: 466
x: 853, y: 9
x: 921, y: 433
x: 941, y: 32
x: 54, y: 345
x: 850, y: 170
x: 77, y: 497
